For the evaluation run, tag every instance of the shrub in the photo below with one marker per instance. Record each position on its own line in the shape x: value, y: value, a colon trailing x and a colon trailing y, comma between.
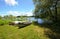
x: 4, y: 22
x: 35, y: 22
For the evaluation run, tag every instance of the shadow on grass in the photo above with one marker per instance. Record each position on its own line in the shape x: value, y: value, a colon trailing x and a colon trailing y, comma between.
x: 53, y: 31
x: 22, y: 26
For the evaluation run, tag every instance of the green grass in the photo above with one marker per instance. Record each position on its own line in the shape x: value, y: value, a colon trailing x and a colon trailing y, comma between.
x: 29, y: 32
x: 4, y: 22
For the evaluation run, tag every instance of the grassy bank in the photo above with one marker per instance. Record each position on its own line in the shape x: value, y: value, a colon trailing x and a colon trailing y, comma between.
x: 29, y: 32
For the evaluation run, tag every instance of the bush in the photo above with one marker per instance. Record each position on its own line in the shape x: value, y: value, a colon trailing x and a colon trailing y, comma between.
x: 1, y: 22
x: 35, y: 22
x: 4, y: 22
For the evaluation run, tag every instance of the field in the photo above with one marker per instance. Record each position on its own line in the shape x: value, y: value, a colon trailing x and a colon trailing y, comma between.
x: 30, y: 32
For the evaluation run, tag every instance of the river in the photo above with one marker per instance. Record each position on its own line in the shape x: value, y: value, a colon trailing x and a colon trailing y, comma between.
x: 34, y: 19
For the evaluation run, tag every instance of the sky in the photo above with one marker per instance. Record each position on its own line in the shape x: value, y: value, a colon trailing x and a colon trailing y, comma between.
x: 16, y: 7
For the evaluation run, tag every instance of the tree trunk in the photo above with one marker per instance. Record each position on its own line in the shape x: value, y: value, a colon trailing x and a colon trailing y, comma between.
x: 50, y: 14
x: 56, y: 11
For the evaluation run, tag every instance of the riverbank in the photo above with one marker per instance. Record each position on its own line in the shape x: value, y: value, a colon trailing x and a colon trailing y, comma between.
x: 29, y: 32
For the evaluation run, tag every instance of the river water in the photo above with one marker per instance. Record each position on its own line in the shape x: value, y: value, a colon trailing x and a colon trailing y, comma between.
x: 31, y: 19
x: 34, y: 19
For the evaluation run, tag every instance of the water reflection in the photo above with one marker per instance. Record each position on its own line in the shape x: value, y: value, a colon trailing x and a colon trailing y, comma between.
x: 40, y: 21
x: 31, y: 19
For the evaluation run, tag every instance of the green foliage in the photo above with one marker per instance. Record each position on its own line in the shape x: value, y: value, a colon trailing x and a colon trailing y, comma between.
x: 47, y: 8
x: 0, y: 17
x: 9, y: 17
x: 4, y: 22
x: 34, y: 22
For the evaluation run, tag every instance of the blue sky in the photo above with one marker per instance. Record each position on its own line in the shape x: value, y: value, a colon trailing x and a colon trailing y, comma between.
x: 16, y: 7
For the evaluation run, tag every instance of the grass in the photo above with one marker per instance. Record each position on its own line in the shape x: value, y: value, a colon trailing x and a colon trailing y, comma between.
x: 4, y: 22
x: 29, y: 32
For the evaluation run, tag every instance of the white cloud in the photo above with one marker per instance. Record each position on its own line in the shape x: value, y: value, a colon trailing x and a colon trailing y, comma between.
x: 17, y: 13
x: 11, y: 2
x: 29, y: 13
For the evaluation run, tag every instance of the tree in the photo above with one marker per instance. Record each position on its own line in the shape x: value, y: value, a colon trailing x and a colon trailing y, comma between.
x: 46, y: 5
x: 9, y: 17
x: 0, y: 17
